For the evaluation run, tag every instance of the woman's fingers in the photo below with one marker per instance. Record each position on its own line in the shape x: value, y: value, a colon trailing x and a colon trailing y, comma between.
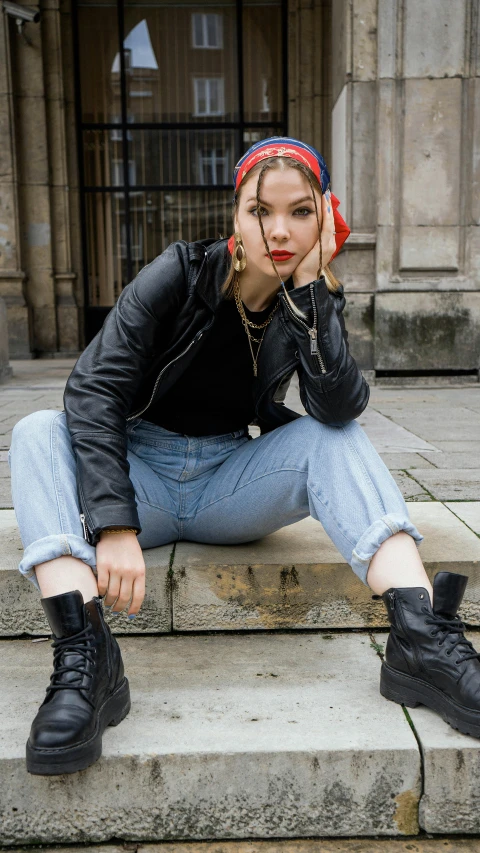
x: 120, y: 565
x: 138, y: 595
x: 102, y: 578
x: 112, y: 591
x: 329, y: 244
x: 126, y: 591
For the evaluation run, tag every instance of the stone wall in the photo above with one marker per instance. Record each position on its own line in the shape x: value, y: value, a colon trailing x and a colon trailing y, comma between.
x: 406, y: 164
x: 5, y: 369
x: 36, y: 274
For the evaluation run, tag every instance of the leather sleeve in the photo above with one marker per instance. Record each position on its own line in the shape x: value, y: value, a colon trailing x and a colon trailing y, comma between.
x: 341, y: 393
x: 101, y: 387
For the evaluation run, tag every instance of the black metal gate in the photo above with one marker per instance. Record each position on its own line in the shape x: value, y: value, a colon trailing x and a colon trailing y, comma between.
x: 168, y: 96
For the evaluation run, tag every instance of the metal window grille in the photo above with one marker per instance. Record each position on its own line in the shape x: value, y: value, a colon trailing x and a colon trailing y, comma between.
x: 160, y: 125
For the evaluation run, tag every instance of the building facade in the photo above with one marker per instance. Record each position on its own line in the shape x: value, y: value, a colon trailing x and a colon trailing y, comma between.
x: 122, y: 121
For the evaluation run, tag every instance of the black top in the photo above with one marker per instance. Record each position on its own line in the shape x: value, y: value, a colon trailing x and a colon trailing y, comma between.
x: 213, y: 396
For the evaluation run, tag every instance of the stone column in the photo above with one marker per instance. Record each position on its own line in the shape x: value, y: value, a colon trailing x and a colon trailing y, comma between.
x: 406, y: 160
x: 64, y: 277
x: 43, y: 184
x: 12, y: 277
x: 353, y: 166
x: 31, y: 142
x: 5, y: 369
x: 427, y: 311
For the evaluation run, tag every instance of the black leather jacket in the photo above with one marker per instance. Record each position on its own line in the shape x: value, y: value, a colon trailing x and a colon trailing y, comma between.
x: 150, y: 336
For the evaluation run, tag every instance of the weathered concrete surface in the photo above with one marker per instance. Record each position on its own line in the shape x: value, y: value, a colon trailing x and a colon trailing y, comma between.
x: 440, y: 844
x: 271, y: 736
x: 451, y: 768
x: 428, y: 330
x: 446, y: 417
x: 389, y: 437
x: 468, y: 446
x: 41, y: 372
x: 451, y: 461
x: 454, y: 484
x: 468, y: 511
x: 405, y: 460
x: 22, y: 612
x: 410, y: 489
x: 17, y: 401
x: 295, y: 578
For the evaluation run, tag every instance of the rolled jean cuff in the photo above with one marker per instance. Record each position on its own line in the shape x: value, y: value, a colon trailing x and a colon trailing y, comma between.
x: 373, y: 537
x: 50, y: 547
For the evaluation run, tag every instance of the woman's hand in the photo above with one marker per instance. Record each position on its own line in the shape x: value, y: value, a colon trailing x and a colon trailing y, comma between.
x: 120, y: 570
x: 307, y: 269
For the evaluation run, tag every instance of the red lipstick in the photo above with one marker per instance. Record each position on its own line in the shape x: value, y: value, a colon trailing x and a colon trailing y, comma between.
x: 281, y: 255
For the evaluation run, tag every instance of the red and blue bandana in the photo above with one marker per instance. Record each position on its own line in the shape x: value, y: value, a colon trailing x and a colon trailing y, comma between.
x: 286, y: 146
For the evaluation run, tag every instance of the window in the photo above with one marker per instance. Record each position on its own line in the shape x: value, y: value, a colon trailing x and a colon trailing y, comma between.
x: 136, y: 241
x: 213, y: 166
x: 265, y: 96
x: 209, y: 96
x: 116, y: 135
x: 207, y: 30
x: 162, y: 123
x: 118, y: 174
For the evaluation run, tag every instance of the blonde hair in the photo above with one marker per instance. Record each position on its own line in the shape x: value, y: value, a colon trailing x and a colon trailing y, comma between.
x: 281, y: 163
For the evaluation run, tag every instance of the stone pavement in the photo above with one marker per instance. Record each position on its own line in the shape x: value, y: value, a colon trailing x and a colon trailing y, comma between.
x: 231, y: 736
x: 417, y: 844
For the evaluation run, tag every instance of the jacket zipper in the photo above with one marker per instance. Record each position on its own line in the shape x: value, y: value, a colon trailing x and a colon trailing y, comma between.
x: 399, y: 612
x: 312, y: 332
x: 195, y: 339
x: 84, y: 525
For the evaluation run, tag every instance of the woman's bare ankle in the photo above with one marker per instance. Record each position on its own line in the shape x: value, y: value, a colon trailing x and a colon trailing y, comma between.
x: 397, y: 563
x: 64, y: 574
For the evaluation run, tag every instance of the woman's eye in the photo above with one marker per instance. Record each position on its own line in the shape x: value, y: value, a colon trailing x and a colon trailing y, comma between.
x: 262, y: 211
x: 304, y: 211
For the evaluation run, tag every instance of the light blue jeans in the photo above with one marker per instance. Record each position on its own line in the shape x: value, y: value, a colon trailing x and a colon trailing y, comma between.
x: 221, y: 489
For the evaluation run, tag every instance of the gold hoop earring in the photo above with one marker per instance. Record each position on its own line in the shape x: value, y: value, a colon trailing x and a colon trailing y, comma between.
x: 239, y: 254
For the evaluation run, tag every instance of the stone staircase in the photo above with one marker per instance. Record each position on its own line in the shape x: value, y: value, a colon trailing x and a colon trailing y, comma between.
x: 293, y: 579
x: 256, y: 711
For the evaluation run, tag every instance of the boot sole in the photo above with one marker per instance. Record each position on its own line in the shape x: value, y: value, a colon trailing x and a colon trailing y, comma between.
x: 411, y: 692
x: 53, y: 762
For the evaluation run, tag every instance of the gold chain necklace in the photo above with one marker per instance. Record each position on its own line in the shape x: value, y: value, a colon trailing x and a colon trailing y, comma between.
x: 246, y: 323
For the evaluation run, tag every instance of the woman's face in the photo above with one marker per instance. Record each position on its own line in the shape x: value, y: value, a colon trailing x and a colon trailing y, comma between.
x: 288, y: 217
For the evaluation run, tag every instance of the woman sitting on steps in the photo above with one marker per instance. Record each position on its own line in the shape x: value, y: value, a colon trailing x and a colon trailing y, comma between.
x: 153, y: 447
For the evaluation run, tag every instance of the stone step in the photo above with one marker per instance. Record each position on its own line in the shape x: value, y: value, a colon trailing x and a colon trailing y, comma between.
x: 422, y: 844
x: 235, y: 736
x: 451, y: 768
x: 294, y: 578
x: 229, y: 736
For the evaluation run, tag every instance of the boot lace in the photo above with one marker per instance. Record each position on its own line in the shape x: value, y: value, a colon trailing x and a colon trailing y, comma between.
x: 80, y: 644
x: 451, y: 626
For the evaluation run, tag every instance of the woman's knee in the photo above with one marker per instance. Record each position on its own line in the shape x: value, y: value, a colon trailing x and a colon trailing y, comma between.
x: 309, y: 429
x: 33, y: 428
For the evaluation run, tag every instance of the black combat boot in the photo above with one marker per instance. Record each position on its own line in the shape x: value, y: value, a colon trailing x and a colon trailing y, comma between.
x: 88, y: 690
x: 427, y: 659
